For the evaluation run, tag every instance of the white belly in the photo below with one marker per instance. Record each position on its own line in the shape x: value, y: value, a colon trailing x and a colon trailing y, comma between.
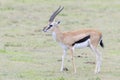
x: 82, y: 45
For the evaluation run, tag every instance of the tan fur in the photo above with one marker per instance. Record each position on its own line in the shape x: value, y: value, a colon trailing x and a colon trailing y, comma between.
x: 70, y: 37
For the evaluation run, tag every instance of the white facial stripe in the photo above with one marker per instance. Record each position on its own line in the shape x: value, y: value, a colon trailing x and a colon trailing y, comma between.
x: 49, y: 27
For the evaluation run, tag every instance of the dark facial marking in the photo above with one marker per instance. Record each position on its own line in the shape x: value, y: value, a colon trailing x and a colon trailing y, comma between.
x: 49, y: 27
x: 81, y: 40
x: 44, y: 28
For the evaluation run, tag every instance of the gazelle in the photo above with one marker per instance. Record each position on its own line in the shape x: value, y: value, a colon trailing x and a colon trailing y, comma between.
x: 75, y: 39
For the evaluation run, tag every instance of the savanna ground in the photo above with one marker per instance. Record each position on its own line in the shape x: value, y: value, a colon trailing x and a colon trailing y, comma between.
x: 26, y: 53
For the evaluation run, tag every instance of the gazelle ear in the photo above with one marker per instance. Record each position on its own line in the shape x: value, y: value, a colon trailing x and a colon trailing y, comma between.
x: 58, y: 22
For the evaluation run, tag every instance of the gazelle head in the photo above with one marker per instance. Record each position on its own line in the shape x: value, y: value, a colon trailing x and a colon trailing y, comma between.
x: 52, y: 23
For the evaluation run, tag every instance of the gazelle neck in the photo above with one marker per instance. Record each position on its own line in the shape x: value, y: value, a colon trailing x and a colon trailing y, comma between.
x: 57, y: 34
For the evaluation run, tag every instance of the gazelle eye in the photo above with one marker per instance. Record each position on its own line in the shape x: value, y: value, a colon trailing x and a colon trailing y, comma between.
x: 51, y: 25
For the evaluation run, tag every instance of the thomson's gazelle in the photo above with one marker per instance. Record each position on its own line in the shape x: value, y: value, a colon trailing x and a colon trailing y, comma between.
x: 75, y: 39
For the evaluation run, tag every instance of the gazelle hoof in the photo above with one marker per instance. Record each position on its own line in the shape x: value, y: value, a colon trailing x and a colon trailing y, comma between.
x: 65, y: 69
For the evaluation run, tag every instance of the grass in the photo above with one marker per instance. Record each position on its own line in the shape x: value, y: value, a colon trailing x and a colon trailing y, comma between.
x: 26, y: 53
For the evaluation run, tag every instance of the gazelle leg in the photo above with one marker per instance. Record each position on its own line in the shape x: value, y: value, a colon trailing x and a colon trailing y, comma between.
x: 98, y: 59
x: 63, y: 56
x: 71, y: 52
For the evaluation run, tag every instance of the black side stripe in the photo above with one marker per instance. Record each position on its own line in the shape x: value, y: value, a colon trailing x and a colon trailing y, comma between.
x: 81, y: 40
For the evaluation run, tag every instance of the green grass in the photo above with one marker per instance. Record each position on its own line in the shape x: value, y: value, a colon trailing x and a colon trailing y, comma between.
x: 27, y: 53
